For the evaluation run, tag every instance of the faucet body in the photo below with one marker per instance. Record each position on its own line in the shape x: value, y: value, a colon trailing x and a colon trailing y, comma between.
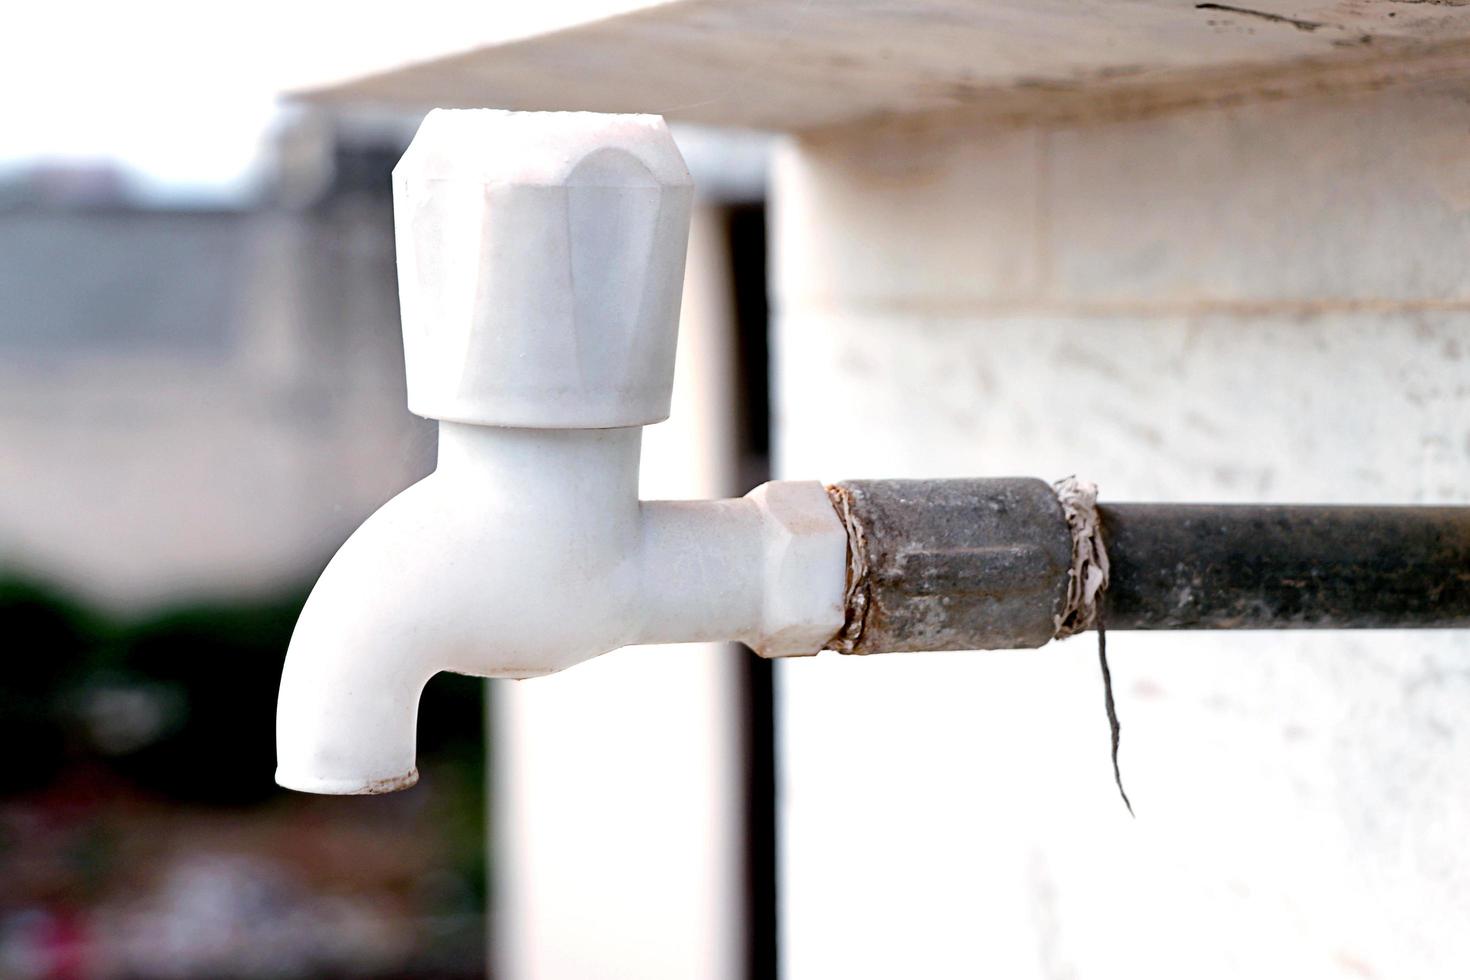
x: 525, y: 552
x: 540, y: 262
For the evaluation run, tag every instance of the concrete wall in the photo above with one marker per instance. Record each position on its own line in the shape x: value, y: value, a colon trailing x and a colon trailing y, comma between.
x: 1266, y: 302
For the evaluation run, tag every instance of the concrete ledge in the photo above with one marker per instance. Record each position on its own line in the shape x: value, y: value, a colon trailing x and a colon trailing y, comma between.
x: 780, y: 65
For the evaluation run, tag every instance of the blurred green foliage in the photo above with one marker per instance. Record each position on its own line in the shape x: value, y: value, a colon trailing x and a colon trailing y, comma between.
x: 180, y: 703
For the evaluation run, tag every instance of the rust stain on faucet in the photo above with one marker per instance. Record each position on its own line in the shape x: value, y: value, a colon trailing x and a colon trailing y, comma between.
x: 392, y: 784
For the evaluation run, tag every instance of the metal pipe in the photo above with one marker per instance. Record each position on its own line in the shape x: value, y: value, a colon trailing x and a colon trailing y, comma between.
x: 1207, y: 566
x: 984, y: 564
x: 952, y: 564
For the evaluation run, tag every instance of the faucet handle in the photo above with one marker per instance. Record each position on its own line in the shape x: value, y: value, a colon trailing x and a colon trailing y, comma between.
x: 540, y: 267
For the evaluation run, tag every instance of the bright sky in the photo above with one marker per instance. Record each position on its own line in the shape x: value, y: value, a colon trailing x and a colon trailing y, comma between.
x: 145, y: 85
x: 181, y: 92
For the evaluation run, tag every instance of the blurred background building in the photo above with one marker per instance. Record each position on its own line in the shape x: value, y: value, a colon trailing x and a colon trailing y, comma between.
x: 200, y: 396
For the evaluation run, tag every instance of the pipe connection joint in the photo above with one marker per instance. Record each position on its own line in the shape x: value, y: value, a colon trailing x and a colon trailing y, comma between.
x: 540, y: 263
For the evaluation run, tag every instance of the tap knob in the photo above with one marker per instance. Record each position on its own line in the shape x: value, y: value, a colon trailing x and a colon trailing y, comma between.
x: 540, y: 267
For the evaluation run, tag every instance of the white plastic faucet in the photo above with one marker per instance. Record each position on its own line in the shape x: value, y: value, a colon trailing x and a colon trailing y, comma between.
x: 540, y: 261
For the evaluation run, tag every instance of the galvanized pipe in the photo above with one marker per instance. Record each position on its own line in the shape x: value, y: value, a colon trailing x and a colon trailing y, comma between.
x: 984, y: 564
x: 1204, y: 566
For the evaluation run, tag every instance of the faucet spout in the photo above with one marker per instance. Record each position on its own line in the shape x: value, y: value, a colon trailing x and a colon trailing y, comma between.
x: 515, y: 558
x: 346, y: 718
x: 526, y: 552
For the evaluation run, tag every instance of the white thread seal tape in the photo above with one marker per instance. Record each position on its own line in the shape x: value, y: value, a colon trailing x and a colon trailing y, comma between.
x: 1088, y: 577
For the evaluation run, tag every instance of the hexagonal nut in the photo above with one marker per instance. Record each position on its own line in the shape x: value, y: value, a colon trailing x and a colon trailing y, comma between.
x: 804, y: 549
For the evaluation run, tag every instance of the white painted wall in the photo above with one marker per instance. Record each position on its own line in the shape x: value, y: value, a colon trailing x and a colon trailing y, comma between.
x: 1266, y: 302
